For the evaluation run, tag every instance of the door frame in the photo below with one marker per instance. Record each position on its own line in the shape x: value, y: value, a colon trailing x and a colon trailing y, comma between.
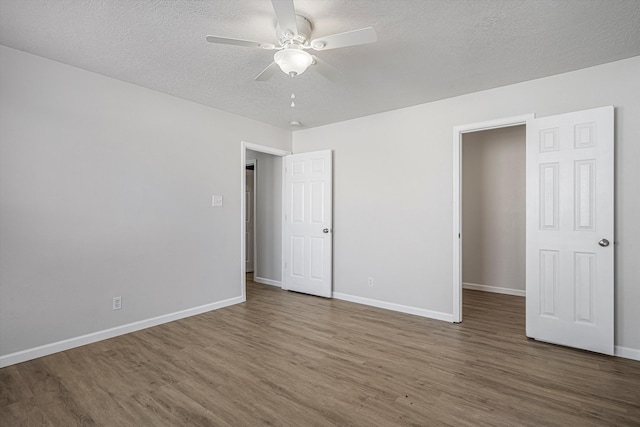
x: 244, y: 146
x: 254, y: 163
x: 458, y: 132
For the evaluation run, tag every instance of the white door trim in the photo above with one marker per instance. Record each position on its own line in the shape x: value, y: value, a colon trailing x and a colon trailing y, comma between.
x: 458, y: 131
x: 244, y: 146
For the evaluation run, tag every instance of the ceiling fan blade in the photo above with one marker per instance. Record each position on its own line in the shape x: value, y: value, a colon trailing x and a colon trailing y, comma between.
x: 267, y: 73
x: 350, y: 38
x: 325, y: 69
x: 286, y: 15
x: 240, y: 42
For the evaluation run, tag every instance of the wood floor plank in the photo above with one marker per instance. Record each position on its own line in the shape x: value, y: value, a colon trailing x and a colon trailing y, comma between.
x: 289, y: 359
x: 14, y: 388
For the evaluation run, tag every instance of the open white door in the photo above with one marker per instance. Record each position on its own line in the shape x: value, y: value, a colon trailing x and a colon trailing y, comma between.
x: 569, y: 265
x: 308, y: 223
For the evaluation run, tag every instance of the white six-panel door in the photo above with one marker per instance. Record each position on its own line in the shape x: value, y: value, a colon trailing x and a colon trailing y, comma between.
x: 307, y: 231
x: 569, y: 260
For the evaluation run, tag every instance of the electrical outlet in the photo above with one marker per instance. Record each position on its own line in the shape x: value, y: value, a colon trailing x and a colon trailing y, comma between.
x: 370, y: 281
x: 117, y: 303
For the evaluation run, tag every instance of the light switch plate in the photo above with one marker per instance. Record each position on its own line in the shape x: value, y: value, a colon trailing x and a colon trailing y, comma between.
x: 216, y: 201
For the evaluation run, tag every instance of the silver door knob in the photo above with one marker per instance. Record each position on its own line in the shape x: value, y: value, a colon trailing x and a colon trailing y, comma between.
x: 604, y: 243
x: 326, y: 230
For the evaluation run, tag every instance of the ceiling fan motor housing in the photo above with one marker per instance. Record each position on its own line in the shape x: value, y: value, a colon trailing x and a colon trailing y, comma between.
x: 287, y: 35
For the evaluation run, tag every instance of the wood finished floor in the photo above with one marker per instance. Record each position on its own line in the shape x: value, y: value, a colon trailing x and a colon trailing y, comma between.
x: 289, y: 359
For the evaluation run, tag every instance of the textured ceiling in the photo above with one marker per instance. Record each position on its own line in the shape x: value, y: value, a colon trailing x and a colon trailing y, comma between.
x: 426, y: 49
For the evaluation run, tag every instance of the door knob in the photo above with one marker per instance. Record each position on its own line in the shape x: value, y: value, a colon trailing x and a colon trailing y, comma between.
x: 326, y: 230
x: 604, y: 243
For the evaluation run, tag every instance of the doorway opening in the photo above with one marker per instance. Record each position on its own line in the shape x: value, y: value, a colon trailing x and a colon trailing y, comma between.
x: 262, y: 251
x: 250, y: 215
x: 459, y: 134
x: 493, y: 208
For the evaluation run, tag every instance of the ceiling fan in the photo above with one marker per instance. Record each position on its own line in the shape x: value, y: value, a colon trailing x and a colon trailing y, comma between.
x: 294, y: 38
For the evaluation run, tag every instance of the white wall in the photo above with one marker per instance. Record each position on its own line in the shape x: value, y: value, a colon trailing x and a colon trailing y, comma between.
x: 105, y: 190
x: 493, y: 210
x: 268, y: 217
x: 393, y: 187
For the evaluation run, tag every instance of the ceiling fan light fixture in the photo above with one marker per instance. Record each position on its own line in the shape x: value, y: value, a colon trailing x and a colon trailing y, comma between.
x: 292, y: 60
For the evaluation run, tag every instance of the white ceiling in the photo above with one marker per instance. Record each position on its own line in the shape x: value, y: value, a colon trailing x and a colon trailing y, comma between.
x: 426, y: 49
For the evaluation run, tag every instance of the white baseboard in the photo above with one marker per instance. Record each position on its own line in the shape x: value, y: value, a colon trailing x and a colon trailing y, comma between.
x: 395, y: 307
x: 494, y: 289
x: 47, y: 349
x: 627, y: 353
x: 267, y: 281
